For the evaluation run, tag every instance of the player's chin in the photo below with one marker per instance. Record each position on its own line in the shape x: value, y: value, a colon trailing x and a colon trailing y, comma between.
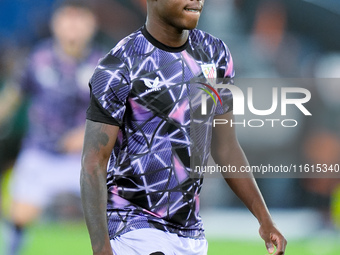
x: 191, y: 24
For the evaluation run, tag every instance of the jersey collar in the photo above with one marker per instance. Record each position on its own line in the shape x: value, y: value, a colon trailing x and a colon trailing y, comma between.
x: 162, y: 46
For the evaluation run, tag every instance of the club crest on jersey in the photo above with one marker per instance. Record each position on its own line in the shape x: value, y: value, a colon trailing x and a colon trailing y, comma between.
x: 209, y: 71
x: 153, y: 86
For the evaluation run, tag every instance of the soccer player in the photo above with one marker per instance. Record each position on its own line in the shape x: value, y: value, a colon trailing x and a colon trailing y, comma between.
x: 55, y: 82
x: 138, y: 192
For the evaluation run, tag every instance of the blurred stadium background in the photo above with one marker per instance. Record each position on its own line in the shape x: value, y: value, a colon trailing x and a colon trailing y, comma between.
x: 268, y: 39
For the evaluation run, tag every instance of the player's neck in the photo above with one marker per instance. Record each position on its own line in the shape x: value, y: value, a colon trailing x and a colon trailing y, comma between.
x: 71, y: 50
x: 166, y: 34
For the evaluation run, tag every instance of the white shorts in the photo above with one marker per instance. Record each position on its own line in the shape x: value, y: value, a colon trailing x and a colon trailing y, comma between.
x: 150, y: 241
x: 39, y: 176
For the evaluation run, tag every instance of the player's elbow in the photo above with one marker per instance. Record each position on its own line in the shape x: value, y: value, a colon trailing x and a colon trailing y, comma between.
x: 93, y: 170
x: 91, y: 162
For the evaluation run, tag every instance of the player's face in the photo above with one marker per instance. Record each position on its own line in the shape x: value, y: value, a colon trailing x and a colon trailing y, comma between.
x: 181, y: 14
x: 72, y: 25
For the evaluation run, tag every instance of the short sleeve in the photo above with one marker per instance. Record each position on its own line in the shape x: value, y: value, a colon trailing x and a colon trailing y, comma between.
x: 110, y: 88
x: 226, y: 72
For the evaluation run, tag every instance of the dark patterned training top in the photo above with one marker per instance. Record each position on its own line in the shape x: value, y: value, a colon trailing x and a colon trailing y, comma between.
x: 57, y: 86
x: 143, y: 87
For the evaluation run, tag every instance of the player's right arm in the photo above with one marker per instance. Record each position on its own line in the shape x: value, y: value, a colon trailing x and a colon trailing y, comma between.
x: 98, y: 144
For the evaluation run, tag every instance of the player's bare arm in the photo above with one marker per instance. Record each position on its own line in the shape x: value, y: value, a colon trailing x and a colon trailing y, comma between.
x: 226, y: 150
x: 98, y: 143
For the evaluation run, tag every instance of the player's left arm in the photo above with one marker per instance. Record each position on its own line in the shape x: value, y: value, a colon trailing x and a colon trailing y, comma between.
x: 226, y: 150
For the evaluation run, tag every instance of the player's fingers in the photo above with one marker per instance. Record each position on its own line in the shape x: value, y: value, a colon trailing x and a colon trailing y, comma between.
x: 280, y: 243
x: 270, y: 248
x: 269, y: 245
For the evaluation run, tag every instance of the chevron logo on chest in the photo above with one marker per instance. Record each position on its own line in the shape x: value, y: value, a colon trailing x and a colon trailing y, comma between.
x: 153, y: 86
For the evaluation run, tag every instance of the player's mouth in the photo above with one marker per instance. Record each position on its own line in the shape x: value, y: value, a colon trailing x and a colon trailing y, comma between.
x: 193, y: 9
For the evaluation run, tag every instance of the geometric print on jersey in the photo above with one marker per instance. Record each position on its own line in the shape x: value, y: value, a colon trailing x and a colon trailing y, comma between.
x: 145, y: 87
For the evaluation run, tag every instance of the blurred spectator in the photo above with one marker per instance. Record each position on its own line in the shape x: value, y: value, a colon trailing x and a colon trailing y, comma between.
x: 55, y: 81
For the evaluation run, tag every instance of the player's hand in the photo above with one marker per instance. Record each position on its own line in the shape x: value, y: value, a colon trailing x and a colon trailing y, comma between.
x: 272, y: 237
